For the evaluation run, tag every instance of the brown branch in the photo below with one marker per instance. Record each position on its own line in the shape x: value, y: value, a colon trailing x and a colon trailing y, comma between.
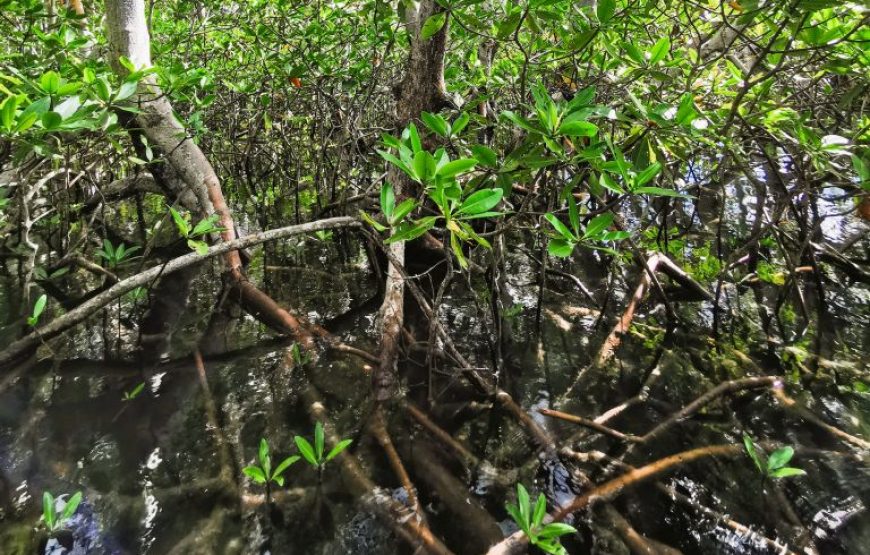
x: 21, y: 347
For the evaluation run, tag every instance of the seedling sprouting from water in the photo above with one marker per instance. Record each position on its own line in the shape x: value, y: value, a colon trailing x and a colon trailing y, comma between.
x: 314, y: 454
x: 195, y: 234
x: 264, y: 474
x: 55, y: 522
x: 33, y: 319
x: 546, y: 537
x: 775, y: 466
x: 135, y: 392
x: 116, y: 257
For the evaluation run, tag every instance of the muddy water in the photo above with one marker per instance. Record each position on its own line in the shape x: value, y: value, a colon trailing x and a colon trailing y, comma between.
x: 152, y: 468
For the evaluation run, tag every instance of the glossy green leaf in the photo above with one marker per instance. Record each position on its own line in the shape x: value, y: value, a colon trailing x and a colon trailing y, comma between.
x: 339, y: 447
x: 285, y: 464
x: 48, y: 513
x: 598, y: 225
x: 456, y: 167
x: 306, y: 450
x: 411, y: 230
x: 319, y: 440
x: 779, y: 458
x: 435, y: 123
x: 787, y: 471
x: 255, y: 473
x: 481, y: 201
x: 578, y: 129
x: 485, y: 155
x: 433, y: 24
x: 753, y: 454
x: 561, y: 228
x: 71, y: 505
x: 604, y: 10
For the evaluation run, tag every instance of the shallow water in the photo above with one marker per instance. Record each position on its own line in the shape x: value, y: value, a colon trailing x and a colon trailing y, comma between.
x: 151, y: 468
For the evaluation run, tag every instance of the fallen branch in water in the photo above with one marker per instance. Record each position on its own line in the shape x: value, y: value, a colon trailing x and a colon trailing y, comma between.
x: 22, y: 346
x: 809, y: 416
x: 379, y: 429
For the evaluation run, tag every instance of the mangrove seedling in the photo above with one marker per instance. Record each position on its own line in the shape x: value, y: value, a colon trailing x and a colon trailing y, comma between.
x: 314, y: 454
x: 195, y: 234
x: 775, y: 466
x: 264, y: 474
x: 545, y: 537
x: 116, y: 257
x: 55, y: 522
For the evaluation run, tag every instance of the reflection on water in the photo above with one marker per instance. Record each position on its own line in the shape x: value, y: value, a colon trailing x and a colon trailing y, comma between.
x: 155, y: 478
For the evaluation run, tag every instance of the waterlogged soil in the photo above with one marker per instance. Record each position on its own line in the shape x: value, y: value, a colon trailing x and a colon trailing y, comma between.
x: 161, y: 472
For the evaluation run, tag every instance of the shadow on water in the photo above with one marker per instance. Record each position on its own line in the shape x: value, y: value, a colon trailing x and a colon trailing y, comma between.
x: 161, y: 471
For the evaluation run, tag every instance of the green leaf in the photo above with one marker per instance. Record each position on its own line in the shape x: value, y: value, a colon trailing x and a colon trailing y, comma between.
x: 521, y: 122
x: 523, y: 503
x: 433, y: 24
x: 787, y: 471
x: 201, y: 247
x: 127, y: 89
x: 578, y: 129
x: 285, y: 464
x: 180, y: 222
x: 540, y: 510
x: 424, y: 166
x: 658, y: 192
x: 598, y: 225
x: 306, y: 450
x: 255, y: 473
x: 335, y: 451
x: 604, y: 10
x: 205, y: 226
x: 561, y: 228
x: 7, y: 112
x: 411, y: 230
x: 388, y: 200
x: 659, y: 50
x: 404, y: 208
x: 779, y: 458
x: 416, y: 145
x: 556, y: 529
x: 372, y: 222
x: 750, y: 450
x: 50, y: 82
x: 460, y: 123
x: 39, y: 306
x: 456, y: 167
x: 436, y: 123
x: 71, y: 505
x: 647, y: 174
x: 263, y: 455
x: 610, y: 184
x: 485, y: 156
x: 398, y: 163
x: 318, y: 440
x: 515, y: 513
x: 51, y: 120
x: 48, y: 513
x: 481, y: 201
x: 457, y: 250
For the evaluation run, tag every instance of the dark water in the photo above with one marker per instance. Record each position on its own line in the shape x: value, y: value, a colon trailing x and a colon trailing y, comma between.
x: 153, y: 469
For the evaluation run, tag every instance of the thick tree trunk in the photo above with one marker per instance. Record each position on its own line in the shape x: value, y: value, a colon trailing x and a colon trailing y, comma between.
x: 189, y: 170
x: 421, y: 89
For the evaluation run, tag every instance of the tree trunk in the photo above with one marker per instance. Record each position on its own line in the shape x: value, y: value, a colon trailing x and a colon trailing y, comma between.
x: 127, y: 32
x: 421, y: 89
